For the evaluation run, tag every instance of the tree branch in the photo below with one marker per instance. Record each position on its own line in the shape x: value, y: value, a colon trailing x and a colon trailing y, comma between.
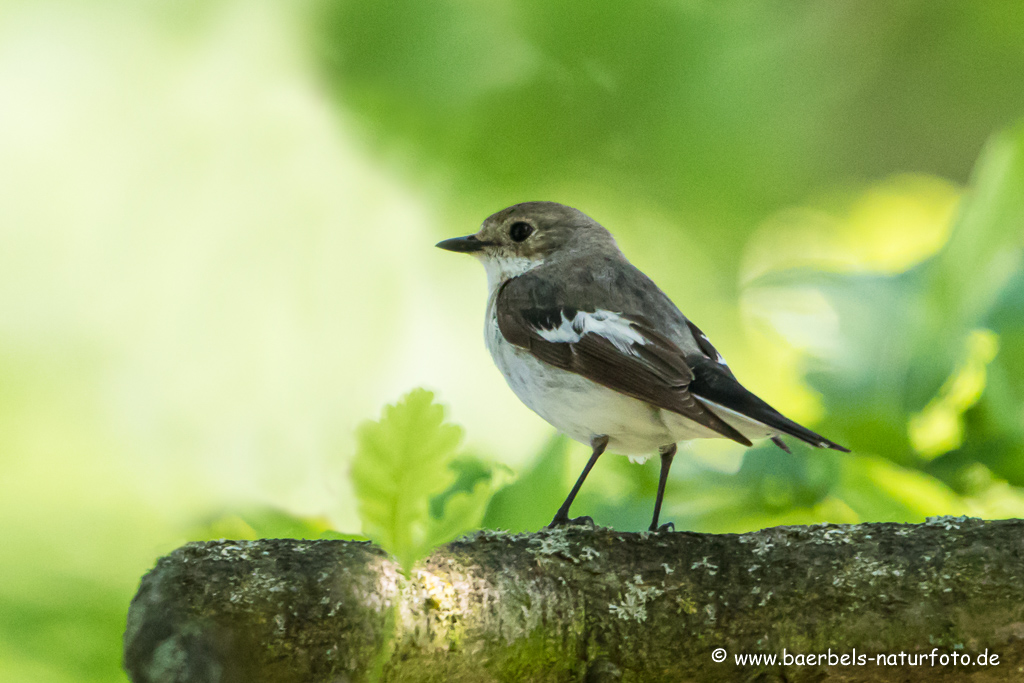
x: 578, y: 604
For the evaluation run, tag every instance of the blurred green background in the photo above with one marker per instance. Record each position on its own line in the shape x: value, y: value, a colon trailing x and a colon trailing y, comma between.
x: 216, y: 230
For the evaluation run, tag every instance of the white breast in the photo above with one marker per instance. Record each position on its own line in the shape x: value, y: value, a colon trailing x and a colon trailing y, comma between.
x: 580, y: 408
x: 576, y: 406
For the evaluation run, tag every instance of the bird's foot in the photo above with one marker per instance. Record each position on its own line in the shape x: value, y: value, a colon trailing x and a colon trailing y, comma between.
x: 664, y: 528
x: 575, y: 521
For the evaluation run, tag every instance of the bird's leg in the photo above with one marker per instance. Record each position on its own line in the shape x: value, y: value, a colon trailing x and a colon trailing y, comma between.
x: 667, y: 453
x: 598, y: 443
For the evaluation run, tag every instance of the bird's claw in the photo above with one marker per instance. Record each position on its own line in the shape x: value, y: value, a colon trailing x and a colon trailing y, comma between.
x: 575, y: 521
x: 664, y: 528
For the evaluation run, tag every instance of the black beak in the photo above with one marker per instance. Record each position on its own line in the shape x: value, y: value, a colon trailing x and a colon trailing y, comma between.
x: 466, y: 245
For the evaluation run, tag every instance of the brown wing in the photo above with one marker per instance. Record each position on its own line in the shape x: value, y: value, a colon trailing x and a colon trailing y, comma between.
x: 636, y: 361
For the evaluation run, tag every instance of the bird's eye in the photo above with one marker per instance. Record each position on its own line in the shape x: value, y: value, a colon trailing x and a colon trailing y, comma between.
x: 519, y: 231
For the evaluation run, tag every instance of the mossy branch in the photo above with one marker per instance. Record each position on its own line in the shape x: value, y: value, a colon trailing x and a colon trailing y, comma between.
x: 581, y: 604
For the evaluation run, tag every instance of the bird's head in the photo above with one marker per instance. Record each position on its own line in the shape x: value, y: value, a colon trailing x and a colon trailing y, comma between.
x: 524, y: 236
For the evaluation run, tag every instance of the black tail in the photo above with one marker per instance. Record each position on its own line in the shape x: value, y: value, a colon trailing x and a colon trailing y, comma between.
x: 717, y: 384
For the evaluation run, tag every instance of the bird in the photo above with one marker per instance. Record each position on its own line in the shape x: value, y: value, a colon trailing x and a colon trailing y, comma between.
x: 598, y: 350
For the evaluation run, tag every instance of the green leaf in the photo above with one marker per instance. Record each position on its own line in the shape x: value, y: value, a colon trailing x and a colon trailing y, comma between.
x: 984, y: 251
x: 469, y: 471
x: 939, y: 427
x: 401, y: 463
x: 461, y: 507
x: 462, y: 511
x: 897, y: 372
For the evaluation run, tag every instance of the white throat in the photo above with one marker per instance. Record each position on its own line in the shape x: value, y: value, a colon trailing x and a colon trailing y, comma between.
x: 502, y: 268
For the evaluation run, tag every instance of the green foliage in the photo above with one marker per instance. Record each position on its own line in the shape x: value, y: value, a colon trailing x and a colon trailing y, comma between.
x: 923, y: 382
x: 266, y: 522
x: 530, y: 502
x: 687, y: 127
x: 413, y: 494
x: 920, y: 345
x: 923, y: 379
x: 688, y: 130
x: 715, y: 112
x: 64, y: 634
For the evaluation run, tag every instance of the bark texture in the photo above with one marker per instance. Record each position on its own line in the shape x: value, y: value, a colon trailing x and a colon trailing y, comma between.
x: 592, y: 605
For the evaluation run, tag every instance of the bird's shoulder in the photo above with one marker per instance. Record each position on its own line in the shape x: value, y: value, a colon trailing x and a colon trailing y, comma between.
x: 607, y: 286
x: 599, y: 282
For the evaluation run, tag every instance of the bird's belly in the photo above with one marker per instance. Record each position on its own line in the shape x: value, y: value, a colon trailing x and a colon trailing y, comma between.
x: 576, y: 406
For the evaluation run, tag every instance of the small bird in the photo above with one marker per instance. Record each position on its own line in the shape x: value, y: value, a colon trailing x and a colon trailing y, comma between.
x: 593, y: 346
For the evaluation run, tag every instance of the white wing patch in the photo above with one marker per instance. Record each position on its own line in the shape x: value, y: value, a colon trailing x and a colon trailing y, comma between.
x: 606, y: 324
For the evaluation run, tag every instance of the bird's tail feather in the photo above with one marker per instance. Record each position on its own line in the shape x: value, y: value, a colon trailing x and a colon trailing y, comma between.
x: 715, y: 386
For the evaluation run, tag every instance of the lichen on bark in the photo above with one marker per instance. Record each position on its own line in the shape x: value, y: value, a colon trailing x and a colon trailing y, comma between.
x: 581, y: 604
